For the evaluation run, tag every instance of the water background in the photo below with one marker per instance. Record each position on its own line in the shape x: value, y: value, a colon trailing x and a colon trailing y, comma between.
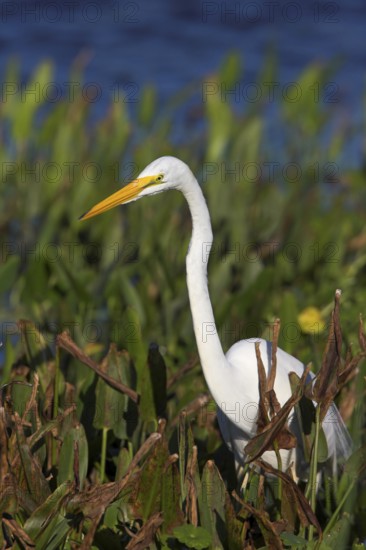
x: 170, y: 44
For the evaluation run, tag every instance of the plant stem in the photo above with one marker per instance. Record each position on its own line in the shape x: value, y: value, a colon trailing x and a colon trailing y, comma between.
x: 313, y: 469
x: 103, y: 454
x: 279, y: 462
x: 55, y: 401
x: 333, y: 519
x: 328, y: 504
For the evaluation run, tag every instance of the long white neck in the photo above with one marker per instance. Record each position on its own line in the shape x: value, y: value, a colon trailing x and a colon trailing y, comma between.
x: 212, y: 357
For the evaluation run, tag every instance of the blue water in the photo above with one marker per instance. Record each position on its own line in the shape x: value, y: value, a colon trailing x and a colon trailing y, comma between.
x: 126, y: 44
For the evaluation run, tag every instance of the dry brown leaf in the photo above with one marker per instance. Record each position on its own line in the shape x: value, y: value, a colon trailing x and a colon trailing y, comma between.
x: 146, y: 534
x: 276, y: 429
x: 193, y: 407
x: 64, y: 341
x: 18, y: 533
x: 192, y: 466
x: 325, y: 386
x: 268, y: 529
x: 304, y: 510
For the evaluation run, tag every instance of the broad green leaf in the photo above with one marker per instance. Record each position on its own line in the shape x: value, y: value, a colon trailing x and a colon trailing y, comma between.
x: 193, y: 537
x: 20, y: 395
x: 112, y: 405
x: 134, y: 341
x: 212, y: 501
x: 74, y: 438
x: 234, y: 527
x: 149, y: 486
x: 170, y: 499
x: 338, y: 536
x: 290, y: 539
x: 116, y: 512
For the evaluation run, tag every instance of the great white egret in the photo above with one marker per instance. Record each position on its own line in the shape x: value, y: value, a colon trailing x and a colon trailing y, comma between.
x: 232, y: 378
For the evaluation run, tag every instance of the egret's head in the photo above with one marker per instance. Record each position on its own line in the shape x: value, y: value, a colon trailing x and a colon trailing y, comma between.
x: 161, y: 174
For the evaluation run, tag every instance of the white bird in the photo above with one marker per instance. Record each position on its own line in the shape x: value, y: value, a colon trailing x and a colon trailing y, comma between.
x: 232, y: 378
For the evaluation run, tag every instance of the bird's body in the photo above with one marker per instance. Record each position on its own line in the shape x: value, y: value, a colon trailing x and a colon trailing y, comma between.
x: 244, y: 400
x: 232, y: 378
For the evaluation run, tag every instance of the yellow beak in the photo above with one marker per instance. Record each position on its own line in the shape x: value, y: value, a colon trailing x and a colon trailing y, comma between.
x: 121, y: 196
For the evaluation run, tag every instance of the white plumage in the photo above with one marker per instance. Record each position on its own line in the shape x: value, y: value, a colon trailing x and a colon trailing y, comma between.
x: 232, y: 378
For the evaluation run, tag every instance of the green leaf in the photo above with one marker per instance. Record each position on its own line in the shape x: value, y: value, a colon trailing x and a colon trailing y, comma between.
x: 153, y: 387
x: 74, y: 438
x: 116, y: 512
x: 147, y: 105
x: 8, y: 272
x: 234, y: 527
x: 38, y: 352
x: 36, y: 482
x: 20, y: 394
x: 158, y: 378
x: 290, y: 539
x: 10, y: 355
x: 123, y: 462
x: 134, y: 342
x: 220, y: 119
x: 47, y: 526
x: 170, y: 498
x: 193, y: 537
x: 356, y: 464
x: 288, y: 311
x: 112, y: 405
x: 230, y: 70
x: 212, y: 502
x: 35, y: 96
x: 338, y: 536
x: 136, y: 311
x: 149, y: 486
x: 69, y: 281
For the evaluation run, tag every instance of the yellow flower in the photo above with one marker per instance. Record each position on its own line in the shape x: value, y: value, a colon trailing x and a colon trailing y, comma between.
x: 310, y: 320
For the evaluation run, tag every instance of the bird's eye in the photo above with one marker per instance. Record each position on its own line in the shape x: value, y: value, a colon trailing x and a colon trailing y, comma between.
x: 160, y: 178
